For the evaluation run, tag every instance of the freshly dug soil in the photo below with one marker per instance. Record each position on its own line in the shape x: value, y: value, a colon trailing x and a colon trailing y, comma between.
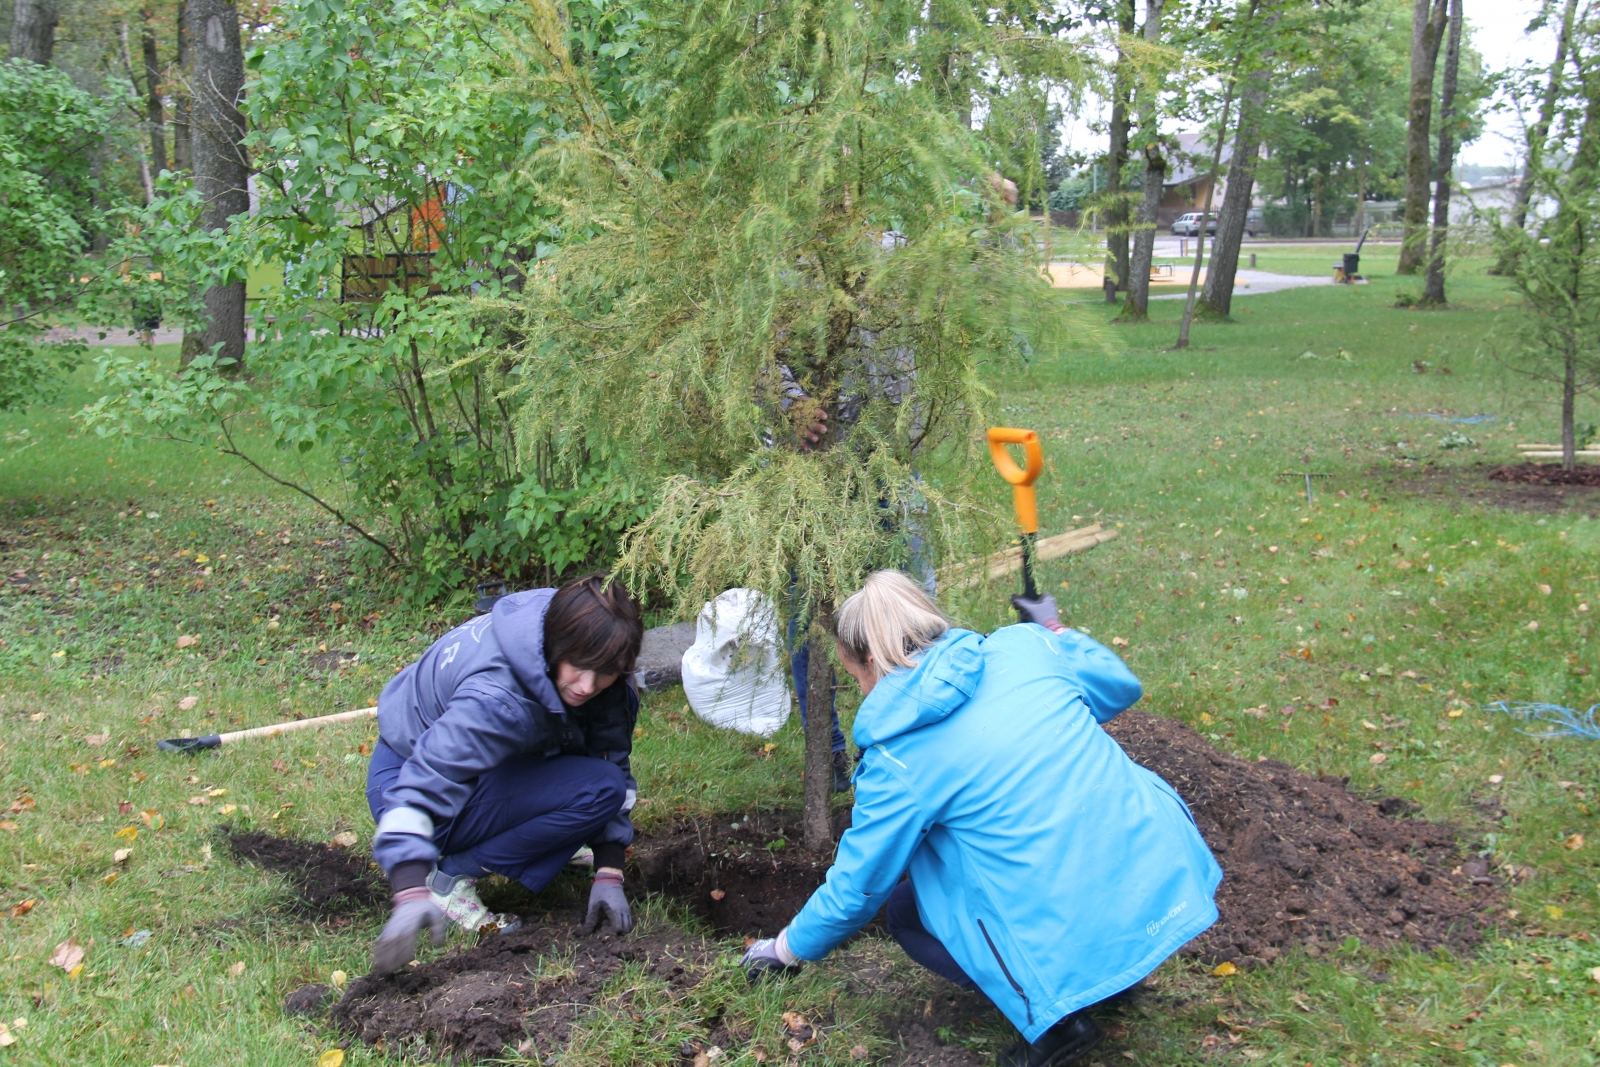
x: 1546, y: 474
x: 474, y: 1002
x: 329, y: 880
x: 745, y: 874
x: 1304, y: 860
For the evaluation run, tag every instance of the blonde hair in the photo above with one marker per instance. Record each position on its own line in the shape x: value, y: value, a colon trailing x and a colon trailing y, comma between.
x: 888, y: 621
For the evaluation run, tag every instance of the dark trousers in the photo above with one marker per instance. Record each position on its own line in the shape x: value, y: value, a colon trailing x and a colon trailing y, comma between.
x: 906, y: 926
x: 525, y: 818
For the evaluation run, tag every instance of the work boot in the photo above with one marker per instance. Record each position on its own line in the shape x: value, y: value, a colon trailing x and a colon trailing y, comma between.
x: 841, y: 772
x: 457, y: 897
x: 1057, y: 1046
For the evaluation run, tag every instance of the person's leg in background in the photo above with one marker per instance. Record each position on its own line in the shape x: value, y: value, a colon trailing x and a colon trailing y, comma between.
x: 799, y: 664
x: 1061, y: 1044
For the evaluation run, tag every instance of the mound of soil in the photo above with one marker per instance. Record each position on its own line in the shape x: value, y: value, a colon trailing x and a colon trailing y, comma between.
x: 1304, y: 860
x: 745, y: 874
x: 329, y: 881
x: 1546, y: 474
x: 474, y: 1002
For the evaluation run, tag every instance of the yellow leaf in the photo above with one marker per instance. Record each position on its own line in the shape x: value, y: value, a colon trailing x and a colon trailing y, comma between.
x: 1553, y: 912
x: 112, y: 877
x: 236, y: 969
x: 1224, y: 969
x: 1456, y: 713
x: 202, y: 559
x: 334, y: 1057
x: 128, y: 833
x: 153, y: 819
x: 107, y: 763
x: 216, y: 792
x: 228, y: 809
x: 73, y: 974
x: 338, y: 979
x: 1575, y: 842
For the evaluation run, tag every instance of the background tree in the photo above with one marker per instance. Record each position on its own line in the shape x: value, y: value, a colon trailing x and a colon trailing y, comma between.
x: 785, y: 221
x: 33, y: 30
x: 1148, y: 102
x: 1114, y: 202
x: 1433, y: 285
x: 1429, y: 19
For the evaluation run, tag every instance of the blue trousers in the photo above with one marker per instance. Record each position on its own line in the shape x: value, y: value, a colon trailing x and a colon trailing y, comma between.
x: 524, y: 819
x: 905, y: 924
x: 799, y: 663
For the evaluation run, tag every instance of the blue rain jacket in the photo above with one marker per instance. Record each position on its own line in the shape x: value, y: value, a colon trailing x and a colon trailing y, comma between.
x: 480, y: 695
x: 1055, y: 870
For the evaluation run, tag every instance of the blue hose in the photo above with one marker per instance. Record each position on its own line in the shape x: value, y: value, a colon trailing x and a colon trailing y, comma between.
x: 1565, y: 722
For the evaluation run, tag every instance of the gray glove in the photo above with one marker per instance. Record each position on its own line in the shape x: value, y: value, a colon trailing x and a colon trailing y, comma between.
x: 607, y: 903
x: 768, y: 957
x: 397, y: 944
x: 1041, y: 609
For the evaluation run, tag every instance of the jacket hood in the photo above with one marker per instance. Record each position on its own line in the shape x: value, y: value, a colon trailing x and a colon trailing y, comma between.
x: 943, y: 680
x: 519, y: 627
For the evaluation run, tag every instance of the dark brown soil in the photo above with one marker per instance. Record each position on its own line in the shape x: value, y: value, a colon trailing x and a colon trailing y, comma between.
x: 328, y: 881
x: 1304, y: 860
x: 475, y: 1002
x: 744, y: 874
x: 1546, y: 474
x: 1476, y: 486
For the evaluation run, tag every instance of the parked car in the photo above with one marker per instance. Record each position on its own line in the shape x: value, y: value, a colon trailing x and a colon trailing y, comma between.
x: 1189, y: 225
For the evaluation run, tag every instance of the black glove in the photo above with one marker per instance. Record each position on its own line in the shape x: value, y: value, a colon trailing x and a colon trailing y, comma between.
x: 607, y: 904
x: 1041, y: 609
x: 397, y: 944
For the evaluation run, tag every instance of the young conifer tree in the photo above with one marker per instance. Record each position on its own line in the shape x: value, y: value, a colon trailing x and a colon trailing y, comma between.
x: 783, y: 220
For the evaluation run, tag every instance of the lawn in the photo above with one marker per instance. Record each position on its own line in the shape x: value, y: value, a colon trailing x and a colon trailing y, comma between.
x: 152, y: 592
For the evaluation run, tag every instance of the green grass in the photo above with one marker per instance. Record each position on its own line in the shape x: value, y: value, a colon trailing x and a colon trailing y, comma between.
x: 1182, y: 452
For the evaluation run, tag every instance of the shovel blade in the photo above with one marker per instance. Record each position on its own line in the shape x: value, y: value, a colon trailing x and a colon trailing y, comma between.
x: 190, y: 744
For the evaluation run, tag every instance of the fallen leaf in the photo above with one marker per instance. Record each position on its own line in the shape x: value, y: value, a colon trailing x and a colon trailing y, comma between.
x: 68, y: 954
x: 1545, y: 589
x: 1595, y: 973
x: 187, y: 703
x: 236, y: 969
x: 858, y: 1052
x: 1119, y: 642
x: 127, y: 833
x: 1575, y: 842
x: 6, y: 1039
x: 1496, y: 779
x: 8, y: 826
x: 22, y: 804
x: 334, y: 1057
x: 1377, y: 757
x: 793, y: 1020
x: 112, y: 877
x: 122, y: 855
x: 1224, y: 969
x: 1553, y: 912
x: 345, y: 839
x: 199, y: 801
x: 124, y: 807
x: 1534, y: 625
x: 718, y: 894
x: 21, y: 908
x: 96, y: 740
x: 136, y: 939
x: 73, y: 974
x: 216, y: 792
x: 228, y: 809
x: 153, y: 819
x: 186, y: 640
x: 338, y: 979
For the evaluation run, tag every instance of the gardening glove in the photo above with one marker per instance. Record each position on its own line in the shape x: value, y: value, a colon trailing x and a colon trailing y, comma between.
x: 607, y: 903
x: 397, y: 944
x: 1040, y: 609
x: 769, y: 956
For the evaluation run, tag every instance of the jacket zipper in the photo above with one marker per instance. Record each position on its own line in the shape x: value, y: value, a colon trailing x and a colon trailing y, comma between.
x: 1006, y: 971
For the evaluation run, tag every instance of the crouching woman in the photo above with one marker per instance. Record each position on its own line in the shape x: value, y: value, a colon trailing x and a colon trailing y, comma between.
x: 505, y: 749
x: 1047, y: 870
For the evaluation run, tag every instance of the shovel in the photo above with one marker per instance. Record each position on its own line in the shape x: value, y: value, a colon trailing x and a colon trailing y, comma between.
x: 1023, y: 499
x: 195, y: 744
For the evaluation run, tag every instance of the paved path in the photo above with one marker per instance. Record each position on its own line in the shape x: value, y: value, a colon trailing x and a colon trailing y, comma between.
x: 1256, y: 282
x: 115, y: 337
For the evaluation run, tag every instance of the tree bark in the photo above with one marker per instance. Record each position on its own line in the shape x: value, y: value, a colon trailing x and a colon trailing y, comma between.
x: 1116, y: 214
x: 818, y: 783
x: 1427, y: 33
x: 1234, y: 215
x: 1200, y: 235
x: 1137, y: 309
x: 33, y: 30
x: 1433, y: 284
x: 182, y: 158
x: 154, y: 111
x: 221, y: 170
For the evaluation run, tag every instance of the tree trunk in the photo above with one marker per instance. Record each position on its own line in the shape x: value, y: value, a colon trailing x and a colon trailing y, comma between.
x: 1569, y: 406
x: 1433, y: 285
x: 1218, y: 299
x: 1116, y: 214
x: 182, y: 158
x: 221, y: 171
x: 154, y: 113
x: 1200, y: 234
x: 144, y: 163
x: 1361, y: 194
x: 1427, y: 33
x: 818, y: 784
x: 1137, y: 307
x: 33, y: 30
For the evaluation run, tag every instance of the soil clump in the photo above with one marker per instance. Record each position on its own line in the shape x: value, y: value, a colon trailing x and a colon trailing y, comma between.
x: 1307, y: 862
x: 328, y: 880
x: 1479, y: 485
x: 524, y: 988
x: 1546, y: 474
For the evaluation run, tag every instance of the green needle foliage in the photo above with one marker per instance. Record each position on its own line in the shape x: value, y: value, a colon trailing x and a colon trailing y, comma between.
x: 784, y: 218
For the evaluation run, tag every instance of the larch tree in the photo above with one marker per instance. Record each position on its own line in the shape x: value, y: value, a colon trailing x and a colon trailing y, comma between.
x: 785, y: 221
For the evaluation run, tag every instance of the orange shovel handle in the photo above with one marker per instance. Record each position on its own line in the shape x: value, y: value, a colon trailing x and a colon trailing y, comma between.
x: 1023, y: 498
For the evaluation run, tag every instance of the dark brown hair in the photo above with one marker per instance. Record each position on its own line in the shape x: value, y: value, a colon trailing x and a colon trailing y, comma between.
x: 594, y: 626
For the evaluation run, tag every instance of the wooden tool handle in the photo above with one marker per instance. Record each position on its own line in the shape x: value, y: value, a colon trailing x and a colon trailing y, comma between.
x: 299, y: 724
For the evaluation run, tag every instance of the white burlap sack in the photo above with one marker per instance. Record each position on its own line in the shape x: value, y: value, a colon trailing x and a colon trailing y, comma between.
x: 733, y: 674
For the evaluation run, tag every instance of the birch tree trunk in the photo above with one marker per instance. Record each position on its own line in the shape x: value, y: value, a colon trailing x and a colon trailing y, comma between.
x: 182, y: 158
x: 1433, y: 285
x: 1427, y: 33
x: 154, y: 110
x: 221, y: 171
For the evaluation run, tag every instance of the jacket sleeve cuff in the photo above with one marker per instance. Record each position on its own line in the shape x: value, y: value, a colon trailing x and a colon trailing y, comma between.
x: 404, y: 820
x: 609, y: 854
x: 408, y: 875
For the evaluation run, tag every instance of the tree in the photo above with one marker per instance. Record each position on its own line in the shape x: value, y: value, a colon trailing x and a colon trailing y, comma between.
x: 33, y: 30
x: 221, y: 165
x: 1433, y: 284
x: 785, y: 219
x: 1555, y: 267
x: 155, y: 109
x: 1428, y: 23
x: 1115, y: 199
x: 1148, y: 97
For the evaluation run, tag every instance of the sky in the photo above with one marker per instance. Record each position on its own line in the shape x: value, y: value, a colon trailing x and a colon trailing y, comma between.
x: 1498, y: 35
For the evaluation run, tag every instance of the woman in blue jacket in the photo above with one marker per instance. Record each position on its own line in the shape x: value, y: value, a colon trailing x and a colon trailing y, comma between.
x: 504, y: 749
x: 1047, y: 869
